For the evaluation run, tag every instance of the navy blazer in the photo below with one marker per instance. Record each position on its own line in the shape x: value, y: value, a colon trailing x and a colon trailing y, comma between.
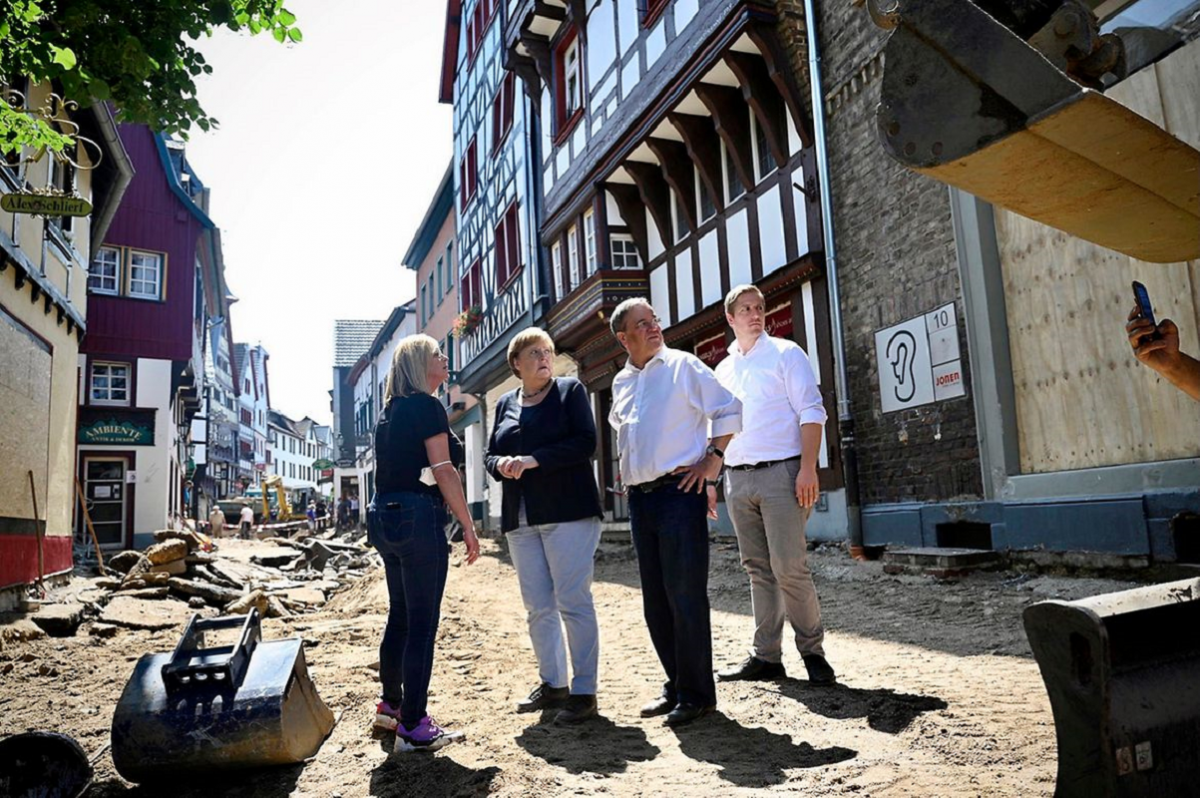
x: 560, y: 433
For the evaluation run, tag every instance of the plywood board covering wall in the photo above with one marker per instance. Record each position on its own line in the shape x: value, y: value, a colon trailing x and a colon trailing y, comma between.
x: 1083, y: 400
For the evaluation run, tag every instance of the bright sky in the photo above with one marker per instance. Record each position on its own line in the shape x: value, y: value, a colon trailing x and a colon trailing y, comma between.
x: 326, y: 159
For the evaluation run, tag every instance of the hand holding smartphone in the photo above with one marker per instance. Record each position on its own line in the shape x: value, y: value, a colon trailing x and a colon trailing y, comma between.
x: 1145, y: 314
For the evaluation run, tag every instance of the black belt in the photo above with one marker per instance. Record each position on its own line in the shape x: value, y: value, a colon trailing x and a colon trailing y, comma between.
x: 763, y: 464
x: 665, y: 481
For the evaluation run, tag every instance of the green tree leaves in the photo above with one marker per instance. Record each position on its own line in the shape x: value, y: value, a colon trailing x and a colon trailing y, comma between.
x: 138, y: 54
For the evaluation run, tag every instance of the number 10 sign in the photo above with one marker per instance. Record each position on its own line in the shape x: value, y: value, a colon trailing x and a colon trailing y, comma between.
x: 919, y: 361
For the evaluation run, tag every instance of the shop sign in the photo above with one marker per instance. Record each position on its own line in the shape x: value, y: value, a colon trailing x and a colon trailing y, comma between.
x: 45, y: 204
x: 112, y: 432
x: 260, y: 466
x: 712, y: 350
x: 322, y: 464
x: 327, y: 474
x: 779, y: 321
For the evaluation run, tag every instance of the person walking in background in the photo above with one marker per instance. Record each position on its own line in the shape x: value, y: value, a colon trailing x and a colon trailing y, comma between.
x: 216, y: 522
x: 540, y: 451
x: 355, y: 518
x: 663, y: 404
x: 343, y: 512
x: 246, y: 521
x: 311, y: 514
x: 771, y: 486
x: 416, y: 478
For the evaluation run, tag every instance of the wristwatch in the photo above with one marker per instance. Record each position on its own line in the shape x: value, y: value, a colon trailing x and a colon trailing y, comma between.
x: 714, y: 450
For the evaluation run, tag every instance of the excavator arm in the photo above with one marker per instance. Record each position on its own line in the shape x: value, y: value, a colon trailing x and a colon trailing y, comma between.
x: 1005, y: 105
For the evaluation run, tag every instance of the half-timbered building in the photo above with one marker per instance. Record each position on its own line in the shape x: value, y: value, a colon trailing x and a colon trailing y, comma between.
x: 43, y: 317
x: 677, y: 161
x: 502, y: 282
x: 142, y: 361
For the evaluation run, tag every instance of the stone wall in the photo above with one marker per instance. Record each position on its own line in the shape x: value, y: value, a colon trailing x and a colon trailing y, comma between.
x: 896, y: 259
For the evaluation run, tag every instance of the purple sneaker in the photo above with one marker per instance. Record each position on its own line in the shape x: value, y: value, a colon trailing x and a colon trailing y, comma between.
x: 387, y: 717
x: 425, y: 736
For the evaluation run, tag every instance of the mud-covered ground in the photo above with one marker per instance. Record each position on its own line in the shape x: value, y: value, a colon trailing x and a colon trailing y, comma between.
x: 938, y: 694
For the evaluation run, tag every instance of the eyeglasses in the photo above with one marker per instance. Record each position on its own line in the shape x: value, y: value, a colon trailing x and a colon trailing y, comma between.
x: 538, y: 354
x: 648, y: 324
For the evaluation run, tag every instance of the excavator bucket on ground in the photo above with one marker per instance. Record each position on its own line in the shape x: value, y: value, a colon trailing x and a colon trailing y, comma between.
x: 969, y: 102
x: 1123, y: 674
x: 211, y: 709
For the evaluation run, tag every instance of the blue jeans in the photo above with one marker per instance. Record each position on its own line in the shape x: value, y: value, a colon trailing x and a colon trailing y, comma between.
x: 670, y: 535
x: 408, y: 531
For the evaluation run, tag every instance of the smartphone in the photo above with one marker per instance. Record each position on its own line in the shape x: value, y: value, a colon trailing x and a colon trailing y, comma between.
x: 1145, y: 310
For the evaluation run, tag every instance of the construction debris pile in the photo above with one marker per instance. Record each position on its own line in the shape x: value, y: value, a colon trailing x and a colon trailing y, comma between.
x: 186, y: 572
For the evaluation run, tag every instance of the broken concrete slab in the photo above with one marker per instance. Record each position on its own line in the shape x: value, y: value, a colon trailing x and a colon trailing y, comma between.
x: 172, y: 568
x: 213, y: 594
x: 59, y: 620
x: 274, y: 557
x: 305, y: 595
x: 159, y: 592
x: 16, y: 629
x: 143, y: 614
x: 102, y: 630
x: 167, y: 551
x: 123, y: 561
x: 242, y: 606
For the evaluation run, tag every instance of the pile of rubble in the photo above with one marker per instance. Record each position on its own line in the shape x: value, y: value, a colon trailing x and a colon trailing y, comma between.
x: 186, y: 572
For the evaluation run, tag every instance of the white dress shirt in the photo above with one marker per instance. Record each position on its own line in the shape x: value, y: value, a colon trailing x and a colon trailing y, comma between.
x: 662, y: 413
x: 778, y: 391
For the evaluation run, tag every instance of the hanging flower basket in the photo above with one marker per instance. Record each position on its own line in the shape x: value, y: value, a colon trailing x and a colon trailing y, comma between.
x: 466, y: 322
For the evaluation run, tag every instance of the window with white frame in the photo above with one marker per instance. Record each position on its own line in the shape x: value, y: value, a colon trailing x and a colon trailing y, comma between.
x: 624, y: 252
x: 105, y: 275
x: 589, y: 241
x: 556, y: 261
x: 573, y: 256
x: 109, y: 384
x: 145, y: 274
x: 572, y: 88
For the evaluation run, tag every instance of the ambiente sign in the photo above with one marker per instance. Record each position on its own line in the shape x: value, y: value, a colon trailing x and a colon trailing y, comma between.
x: 113, y: 432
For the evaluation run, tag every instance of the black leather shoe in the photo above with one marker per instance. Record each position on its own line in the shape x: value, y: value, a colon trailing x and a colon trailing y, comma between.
x: 686, y: 713
x: 819, y: 670
x: 579, y: 707
x: 659, y: 706
x: 544, y: 697
x: 753, y: 670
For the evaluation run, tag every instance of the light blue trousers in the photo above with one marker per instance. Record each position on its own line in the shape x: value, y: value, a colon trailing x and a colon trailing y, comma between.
x: 554, y: 564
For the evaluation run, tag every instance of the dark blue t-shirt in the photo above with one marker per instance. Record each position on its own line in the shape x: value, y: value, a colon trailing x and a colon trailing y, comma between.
x: 408, y: 421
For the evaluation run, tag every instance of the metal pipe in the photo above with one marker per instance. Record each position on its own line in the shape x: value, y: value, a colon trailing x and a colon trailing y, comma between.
x: 841, y: 381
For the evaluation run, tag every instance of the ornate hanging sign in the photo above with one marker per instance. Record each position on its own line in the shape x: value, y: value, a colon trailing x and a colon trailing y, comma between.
x: 53, y: 200
x: 45, y: 204
x: 120, y: 432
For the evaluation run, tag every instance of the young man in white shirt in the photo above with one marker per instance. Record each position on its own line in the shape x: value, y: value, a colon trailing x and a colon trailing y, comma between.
x: 246, y: 518
x: 771, y: 486
x: 663, y: 404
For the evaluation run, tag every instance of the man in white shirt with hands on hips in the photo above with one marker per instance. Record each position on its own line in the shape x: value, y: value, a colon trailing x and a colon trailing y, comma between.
x: 771, y: 486
x: 663, y: 404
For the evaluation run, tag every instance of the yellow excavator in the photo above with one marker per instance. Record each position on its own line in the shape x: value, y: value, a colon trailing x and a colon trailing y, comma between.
x: 283, y: 506
x: 1003, y: 99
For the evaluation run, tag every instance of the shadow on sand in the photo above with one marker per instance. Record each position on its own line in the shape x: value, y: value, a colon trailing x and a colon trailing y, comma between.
x: 752, y: 756
x: 596, y: 745
x: 429, y: 776
x: 885, y: 710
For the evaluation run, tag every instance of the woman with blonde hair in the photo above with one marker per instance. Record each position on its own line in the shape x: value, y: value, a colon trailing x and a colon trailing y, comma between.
x: 416, y: 480
x: 541, y: 447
